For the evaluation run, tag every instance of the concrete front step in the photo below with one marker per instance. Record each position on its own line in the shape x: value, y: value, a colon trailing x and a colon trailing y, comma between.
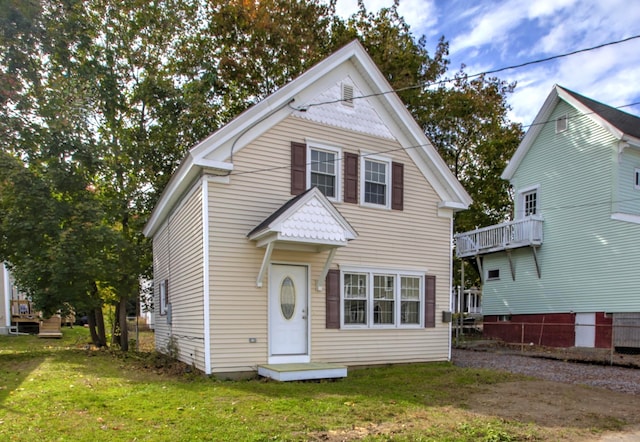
x: 302, y: 371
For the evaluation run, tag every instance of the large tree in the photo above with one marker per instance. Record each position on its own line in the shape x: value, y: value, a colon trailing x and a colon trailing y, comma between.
x: 100, y: 101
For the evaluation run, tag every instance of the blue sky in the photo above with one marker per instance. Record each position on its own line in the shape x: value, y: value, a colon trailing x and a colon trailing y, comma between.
x: 491, y: 34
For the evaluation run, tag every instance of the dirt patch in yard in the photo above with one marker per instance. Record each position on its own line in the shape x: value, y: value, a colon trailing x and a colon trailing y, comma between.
x: 559, y: 400
x: 573, y: 412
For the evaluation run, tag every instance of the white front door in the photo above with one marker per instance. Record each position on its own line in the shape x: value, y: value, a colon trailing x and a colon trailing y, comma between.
x: 586, y: 330
x: 288, y: 314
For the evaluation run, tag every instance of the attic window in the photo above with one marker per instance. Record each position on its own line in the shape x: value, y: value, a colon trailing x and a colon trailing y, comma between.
x: 561, y: 124
x: 347, y: 94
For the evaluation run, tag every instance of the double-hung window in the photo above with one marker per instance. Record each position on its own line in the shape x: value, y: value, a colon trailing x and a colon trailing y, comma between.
x: 382, y: 299
x: 410, y: 289
x: 529, y: 202
x: 323, y: 171
x: 375, y: 181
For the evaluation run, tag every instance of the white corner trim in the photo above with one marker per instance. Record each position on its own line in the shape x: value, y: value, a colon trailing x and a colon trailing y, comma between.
x: 7, y: 293
x: 626, y: 217
x: 206, y: 298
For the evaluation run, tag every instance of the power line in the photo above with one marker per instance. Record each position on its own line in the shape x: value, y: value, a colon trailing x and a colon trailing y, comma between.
x: 479, y: 74
x: 337, y: 160
x: 555, y: 57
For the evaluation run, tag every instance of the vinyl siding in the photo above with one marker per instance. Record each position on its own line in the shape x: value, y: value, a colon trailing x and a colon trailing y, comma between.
x: 628, y: 197
x: 589, y: 262
x: 412, y: 239
x: 178, y: 257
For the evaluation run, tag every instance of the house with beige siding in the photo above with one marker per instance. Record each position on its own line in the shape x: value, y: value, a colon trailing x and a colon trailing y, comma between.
x: 311, y: 233
x: 565, y: 271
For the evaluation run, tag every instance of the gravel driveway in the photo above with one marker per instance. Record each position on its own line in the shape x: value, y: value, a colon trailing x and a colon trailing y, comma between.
x: 620, y: 379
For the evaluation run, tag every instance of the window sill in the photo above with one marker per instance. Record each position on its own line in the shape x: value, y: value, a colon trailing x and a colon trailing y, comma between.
x: 626, y: 217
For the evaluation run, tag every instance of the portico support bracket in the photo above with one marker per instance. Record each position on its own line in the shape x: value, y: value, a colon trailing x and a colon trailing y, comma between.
x: 325, y: 270
x: 265, y: 263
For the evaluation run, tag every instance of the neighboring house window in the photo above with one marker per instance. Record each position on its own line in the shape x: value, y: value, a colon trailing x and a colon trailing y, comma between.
x: 323, y: 171
x: 493, y: 274
x: 637, y: 178
x: 382, y: 299
x: 561, y: 123
x: 529, y: 202
x: 164, y: 297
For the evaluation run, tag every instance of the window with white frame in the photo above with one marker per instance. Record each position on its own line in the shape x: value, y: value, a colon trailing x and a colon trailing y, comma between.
x: 375, y: 181
x: 382, y: 299
x: 637, y: 178
x: 528, y: 200
x: 323, y: 171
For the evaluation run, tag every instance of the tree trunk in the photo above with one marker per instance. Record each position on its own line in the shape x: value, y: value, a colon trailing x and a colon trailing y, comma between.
x: 92, y: 328
x: 102, y: 333
x: 120, y: 334
x: 96, y: 327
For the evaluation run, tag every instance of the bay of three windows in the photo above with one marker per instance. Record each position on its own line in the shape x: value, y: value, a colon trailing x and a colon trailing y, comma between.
x: 372, y: 299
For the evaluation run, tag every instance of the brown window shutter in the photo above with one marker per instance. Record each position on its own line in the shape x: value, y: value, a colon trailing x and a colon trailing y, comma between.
x: 332, y: 289
x: 298, y: 168
x: 397, y: 186
x: 430, y: 301
x: 350, y: 178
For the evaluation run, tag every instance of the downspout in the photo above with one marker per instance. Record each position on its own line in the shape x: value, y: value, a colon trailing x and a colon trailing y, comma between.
x: 205, y: 275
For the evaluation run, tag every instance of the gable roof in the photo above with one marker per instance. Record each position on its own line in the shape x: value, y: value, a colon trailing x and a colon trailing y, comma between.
x: 622, y: 125
x: 214, y: 155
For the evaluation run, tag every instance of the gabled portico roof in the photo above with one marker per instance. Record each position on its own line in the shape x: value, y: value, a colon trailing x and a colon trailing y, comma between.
x: 308, y: 222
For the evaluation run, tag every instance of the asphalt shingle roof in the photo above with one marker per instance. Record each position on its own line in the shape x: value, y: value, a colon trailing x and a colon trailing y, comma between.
x: 625, y: 122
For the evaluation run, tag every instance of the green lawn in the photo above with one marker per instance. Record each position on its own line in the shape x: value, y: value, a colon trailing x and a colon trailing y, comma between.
x: 61, y: 390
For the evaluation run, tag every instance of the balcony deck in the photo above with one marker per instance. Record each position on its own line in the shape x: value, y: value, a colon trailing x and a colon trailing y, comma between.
x: 510, y: 235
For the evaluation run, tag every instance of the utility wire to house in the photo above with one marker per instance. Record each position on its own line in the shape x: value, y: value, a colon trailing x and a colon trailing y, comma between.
x: 479, y: 74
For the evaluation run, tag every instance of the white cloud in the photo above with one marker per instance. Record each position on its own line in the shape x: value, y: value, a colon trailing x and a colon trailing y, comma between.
x: 491, y: 34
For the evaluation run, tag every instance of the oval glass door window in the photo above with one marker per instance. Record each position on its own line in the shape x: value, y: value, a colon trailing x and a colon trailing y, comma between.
x: 287, y: 298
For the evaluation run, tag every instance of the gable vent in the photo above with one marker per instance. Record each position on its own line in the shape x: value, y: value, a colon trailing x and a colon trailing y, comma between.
x: 347, y: 95
x: 561, y: 124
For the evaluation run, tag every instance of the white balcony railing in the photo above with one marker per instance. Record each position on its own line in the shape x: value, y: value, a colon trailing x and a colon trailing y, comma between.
x: 510, y: 235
